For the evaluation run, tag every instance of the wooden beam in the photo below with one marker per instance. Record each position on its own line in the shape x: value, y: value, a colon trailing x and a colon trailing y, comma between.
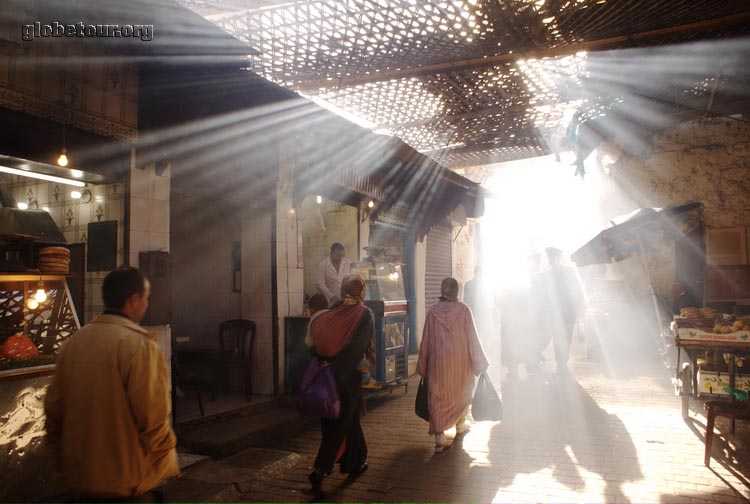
x: 454, y: 118
x: 593, y: 45
x: 479, y: 148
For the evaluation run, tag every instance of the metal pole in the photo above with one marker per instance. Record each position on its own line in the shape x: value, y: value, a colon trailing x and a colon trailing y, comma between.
x: 650, y: 282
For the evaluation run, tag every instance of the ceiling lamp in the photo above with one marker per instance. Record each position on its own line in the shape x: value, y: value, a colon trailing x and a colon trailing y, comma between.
x: 63, y: 159
x: 40, y: 295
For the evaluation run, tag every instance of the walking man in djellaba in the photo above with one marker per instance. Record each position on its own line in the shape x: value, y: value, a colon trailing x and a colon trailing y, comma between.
x: 450, y: 356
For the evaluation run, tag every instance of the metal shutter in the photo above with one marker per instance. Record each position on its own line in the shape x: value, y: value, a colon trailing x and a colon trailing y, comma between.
x: 439, y: 262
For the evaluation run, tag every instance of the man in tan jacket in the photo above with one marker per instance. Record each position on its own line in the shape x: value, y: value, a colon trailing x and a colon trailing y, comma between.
x: 108, y: 404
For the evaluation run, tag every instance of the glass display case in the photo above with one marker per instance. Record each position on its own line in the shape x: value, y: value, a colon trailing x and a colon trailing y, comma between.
x: 385, y: 296
x: 384, y: 280
x: 36, y: 315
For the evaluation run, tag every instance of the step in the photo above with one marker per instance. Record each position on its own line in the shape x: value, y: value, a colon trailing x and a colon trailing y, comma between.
x: 226, y: 480
x: 190, y: 459
x: 228, y: 436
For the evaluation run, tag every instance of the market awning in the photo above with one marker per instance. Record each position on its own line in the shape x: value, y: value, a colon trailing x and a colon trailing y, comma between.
x: 383, y: 168
x: 650, y: 228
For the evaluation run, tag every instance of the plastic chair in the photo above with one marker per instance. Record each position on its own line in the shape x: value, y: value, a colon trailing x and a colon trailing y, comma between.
x: 236, y: 338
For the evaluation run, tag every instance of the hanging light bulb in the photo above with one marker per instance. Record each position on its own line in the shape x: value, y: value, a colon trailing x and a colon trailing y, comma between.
x: 370, y: 204
x: 32, y: 304
x: 63, y: 159
x: 40, y: 295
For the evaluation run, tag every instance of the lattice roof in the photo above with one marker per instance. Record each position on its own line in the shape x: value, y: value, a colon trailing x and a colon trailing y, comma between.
x: 473, y: 81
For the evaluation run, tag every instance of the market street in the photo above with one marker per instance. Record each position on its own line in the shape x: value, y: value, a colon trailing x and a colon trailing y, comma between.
x: 595, y: 439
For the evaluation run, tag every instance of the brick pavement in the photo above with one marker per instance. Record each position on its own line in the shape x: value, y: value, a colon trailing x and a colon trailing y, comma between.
x: 590, y: 439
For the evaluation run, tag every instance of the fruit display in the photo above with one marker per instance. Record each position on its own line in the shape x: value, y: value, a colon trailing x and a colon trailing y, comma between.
x: 18, y: 346
x: 709, y: 320
x: 727, y: 327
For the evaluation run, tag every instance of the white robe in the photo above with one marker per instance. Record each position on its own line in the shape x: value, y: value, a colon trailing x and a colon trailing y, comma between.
x: 328, y: 280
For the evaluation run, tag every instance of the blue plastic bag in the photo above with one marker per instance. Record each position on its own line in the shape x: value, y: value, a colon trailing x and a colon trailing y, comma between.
x: 318, y: 395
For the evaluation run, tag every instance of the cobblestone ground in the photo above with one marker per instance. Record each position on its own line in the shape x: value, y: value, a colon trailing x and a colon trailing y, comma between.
x: 588, y: 438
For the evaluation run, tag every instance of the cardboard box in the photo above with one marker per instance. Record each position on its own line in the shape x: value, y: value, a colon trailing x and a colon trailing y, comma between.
x: 689, y: 333
x: 711, y: 382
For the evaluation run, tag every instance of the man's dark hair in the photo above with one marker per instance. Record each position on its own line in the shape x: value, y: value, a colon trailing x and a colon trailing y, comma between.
x: 336, y: 246
x: 120, y: 284
x: 318, y: 302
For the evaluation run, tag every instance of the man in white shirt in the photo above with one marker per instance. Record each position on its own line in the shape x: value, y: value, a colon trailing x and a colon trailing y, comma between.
x: 331, y: 272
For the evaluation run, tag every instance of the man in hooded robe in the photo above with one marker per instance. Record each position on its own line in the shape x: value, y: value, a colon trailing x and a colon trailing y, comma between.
x: 450, y: 356
x: 340, y: 336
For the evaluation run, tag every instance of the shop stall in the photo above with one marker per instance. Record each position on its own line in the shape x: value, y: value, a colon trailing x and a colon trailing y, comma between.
x: 37, y: 310
x: 37, y: 314
x: 386, y: 298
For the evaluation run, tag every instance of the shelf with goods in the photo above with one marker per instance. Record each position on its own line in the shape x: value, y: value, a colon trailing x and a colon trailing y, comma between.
x: 717, y: 346
x: 33, y: 325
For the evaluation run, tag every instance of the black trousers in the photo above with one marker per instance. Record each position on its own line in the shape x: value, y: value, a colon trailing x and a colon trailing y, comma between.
x: 345, y: 427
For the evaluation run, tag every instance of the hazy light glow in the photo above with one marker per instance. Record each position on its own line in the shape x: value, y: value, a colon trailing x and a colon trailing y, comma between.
x: 41, y: 176
x: 328, y: 105
x: 535, y: 204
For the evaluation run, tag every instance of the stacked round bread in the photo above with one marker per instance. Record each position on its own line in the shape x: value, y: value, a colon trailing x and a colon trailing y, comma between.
x: 691, y: 313
x: 54, y: 260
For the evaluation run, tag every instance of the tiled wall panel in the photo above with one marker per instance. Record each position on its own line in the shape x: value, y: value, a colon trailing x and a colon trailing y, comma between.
x: 72, y: 217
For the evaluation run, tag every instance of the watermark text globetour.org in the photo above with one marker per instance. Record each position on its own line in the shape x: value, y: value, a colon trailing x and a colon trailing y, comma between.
x: 56, y: 29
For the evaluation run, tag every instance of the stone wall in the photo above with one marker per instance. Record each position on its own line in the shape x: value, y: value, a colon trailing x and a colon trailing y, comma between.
x: 702, y: 161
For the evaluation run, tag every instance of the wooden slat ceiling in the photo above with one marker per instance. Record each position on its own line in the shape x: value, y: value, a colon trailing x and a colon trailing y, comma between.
x: 475, y: 82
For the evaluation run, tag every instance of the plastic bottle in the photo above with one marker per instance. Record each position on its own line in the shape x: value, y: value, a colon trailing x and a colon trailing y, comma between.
x: 738, y: 394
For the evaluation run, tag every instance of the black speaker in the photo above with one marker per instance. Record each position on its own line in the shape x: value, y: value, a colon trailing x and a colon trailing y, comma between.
x: 157, y: 268
x: 102, y: 246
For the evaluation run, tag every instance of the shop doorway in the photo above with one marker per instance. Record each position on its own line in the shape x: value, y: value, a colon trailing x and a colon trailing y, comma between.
x: 325, y: 222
